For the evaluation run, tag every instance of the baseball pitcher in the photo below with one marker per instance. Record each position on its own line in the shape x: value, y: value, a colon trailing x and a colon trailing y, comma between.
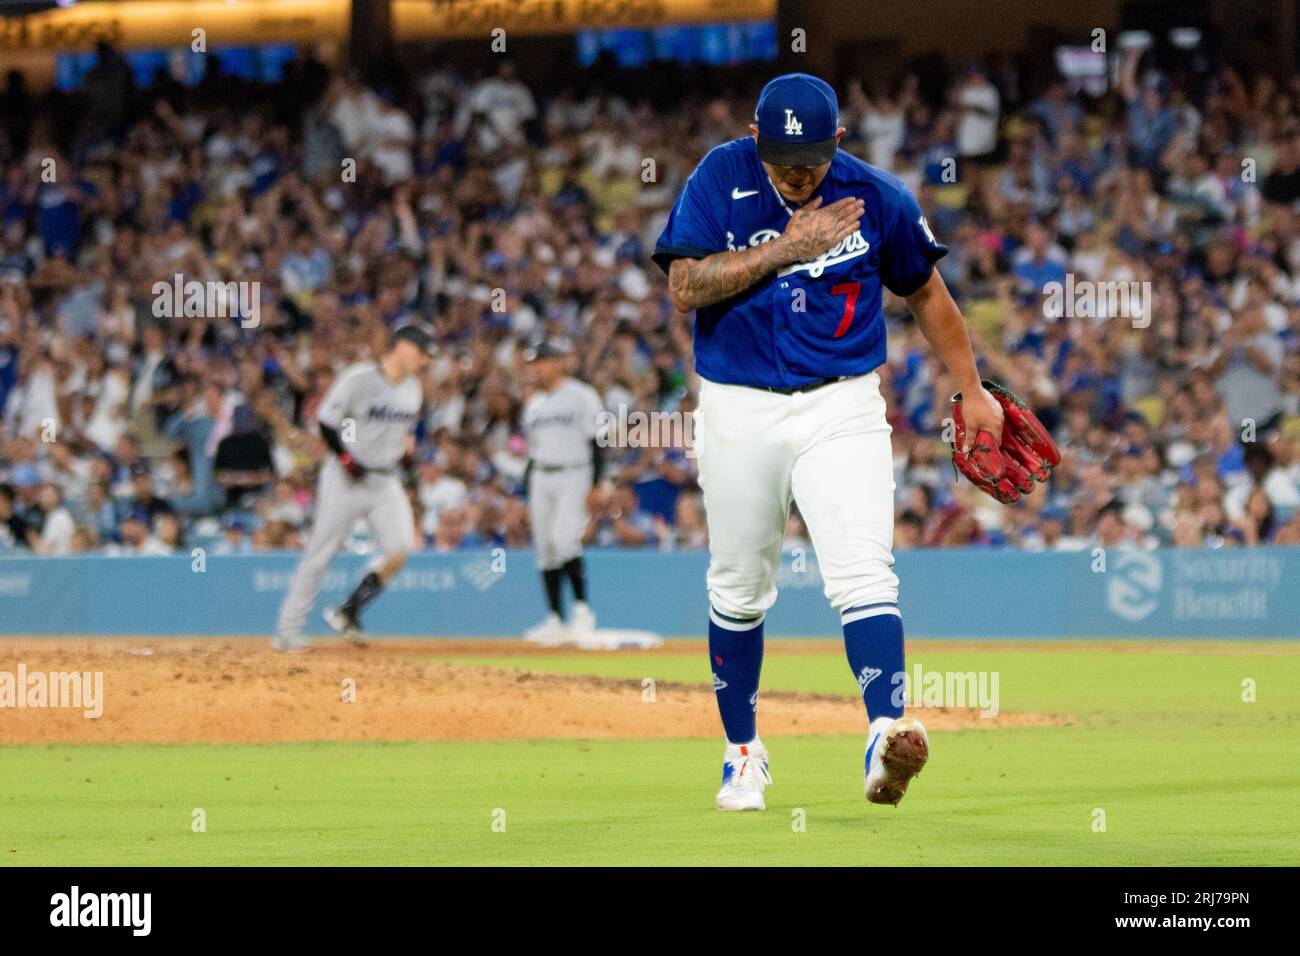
x: 366, y: 419
x: 561, y: 420
x: 782, y: 244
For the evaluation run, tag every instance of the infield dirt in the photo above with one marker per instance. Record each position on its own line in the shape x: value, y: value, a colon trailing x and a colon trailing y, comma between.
x: 238, y: 690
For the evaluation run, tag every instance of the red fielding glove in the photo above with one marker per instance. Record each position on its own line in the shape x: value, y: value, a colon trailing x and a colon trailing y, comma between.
x: 1026, y: 455
x: 354, y: 468
x: 1030, y: 435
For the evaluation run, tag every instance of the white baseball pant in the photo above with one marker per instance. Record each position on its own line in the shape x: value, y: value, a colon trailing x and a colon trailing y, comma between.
x: 340, y: 500
x: 557, y: 511
x: 829, y: 451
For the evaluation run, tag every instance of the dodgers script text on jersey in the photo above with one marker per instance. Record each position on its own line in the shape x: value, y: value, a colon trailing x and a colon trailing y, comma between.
x: 810, y: 320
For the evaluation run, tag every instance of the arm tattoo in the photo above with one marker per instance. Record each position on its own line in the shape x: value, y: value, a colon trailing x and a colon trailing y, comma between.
x: 695, y: 283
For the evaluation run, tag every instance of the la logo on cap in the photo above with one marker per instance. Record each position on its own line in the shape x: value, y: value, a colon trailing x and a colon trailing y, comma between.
x: 797, y: 119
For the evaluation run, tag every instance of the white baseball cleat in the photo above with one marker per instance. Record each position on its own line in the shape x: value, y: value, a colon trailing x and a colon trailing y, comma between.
x: 345, y: 625
x: 550, y: 631
x: 581, y: 619
x: 289, y: 645
x: 744, y: 776
x: 897, y: 749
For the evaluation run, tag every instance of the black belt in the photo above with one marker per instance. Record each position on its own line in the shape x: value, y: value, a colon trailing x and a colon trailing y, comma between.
x: 807, y: 386
x: 550, y: 469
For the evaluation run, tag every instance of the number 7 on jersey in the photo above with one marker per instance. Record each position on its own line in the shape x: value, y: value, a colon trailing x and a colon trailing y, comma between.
x: 851, y: 289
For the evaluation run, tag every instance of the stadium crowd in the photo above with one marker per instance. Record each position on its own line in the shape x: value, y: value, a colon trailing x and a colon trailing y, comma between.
x: 500, y: 212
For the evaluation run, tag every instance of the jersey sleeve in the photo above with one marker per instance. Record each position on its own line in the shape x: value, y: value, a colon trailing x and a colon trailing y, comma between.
x: 335, y: 405
x: 596, y: 426
x: 695, y: 225
x: 910, y: 249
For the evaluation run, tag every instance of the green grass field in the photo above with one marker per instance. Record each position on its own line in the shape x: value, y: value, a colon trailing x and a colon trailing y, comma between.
x: 1184, y: 770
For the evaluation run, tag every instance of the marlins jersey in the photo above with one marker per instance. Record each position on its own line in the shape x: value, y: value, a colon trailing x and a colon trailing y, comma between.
x: 561, y: 425
x: 809, y: 320
x: 383, y: 412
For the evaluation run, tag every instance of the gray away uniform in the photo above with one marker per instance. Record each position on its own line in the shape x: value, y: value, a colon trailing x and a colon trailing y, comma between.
x: 382, y: 414
x: 560, y: 427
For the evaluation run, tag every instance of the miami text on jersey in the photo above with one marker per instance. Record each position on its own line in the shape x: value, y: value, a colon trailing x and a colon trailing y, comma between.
x: 385, y: 413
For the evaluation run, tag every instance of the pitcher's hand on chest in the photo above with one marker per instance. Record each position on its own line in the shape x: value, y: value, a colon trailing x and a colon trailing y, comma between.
x: 814, y: 229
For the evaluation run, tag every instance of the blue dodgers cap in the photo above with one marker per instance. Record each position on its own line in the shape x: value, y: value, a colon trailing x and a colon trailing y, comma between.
x: 797, y: 118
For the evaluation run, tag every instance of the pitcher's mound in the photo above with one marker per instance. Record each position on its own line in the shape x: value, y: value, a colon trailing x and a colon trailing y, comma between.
x: 240, y: 691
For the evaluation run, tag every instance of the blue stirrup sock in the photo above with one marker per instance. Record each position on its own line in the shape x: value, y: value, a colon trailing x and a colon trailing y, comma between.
x: 736, y: 659
x: 873, y: 641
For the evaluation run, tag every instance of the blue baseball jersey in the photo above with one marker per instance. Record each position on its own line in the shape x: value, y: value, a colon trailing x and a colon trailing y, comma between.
x: 809, y: 320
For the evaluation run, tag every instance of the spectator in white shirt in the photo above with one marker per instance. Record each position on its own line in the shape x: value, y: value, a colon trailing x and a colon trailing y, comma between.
x: 33, y: 407
x: 352, y: 114
x: 498, y: 107
x: 977, y: 130
x: 392, y: 134
x: 439, y: 493
x: 883, y: 126
x: 56, y: 530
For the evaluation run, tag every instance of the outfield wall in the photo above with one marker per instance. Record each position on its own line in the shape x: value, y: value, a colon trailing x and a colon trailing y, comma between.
x: 949, y: 593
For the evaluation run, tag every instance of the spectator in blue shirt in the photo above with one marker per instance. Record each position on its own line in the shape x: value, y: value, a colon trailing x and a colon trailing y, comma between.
x: 1038, y: 262
x: 1151, y: 123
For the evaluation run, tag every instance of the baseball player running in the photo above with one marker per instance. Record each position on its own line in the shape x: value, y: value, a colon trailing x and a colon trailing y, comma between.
x: 366, y: 419
x: 561, y: 419
x: 781, y: 244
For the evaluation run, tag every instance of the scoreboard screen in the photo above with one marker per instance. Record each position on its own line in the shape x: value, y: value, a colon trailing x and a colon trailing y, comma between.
x: 714, y: 44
